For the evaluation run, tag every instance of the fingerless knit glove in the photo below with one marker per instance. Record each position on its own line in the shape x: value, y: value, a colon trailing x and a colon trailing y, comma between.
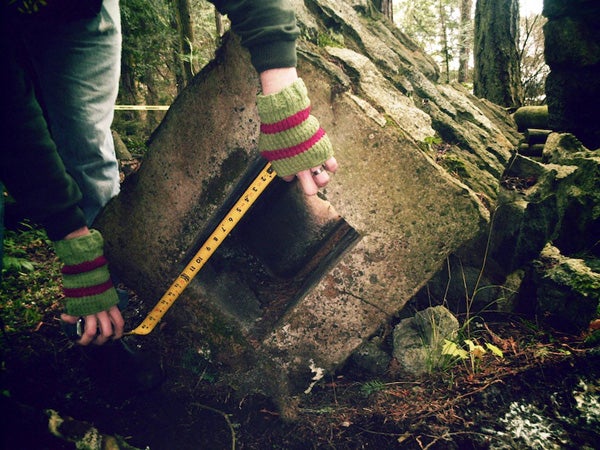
x: 87, y: 285
x: 290, y: 137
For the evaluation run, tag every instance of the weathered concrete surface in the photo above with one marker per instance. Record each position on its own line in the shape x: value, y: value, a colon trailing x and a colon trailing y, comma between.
x: 303, y: 281
x: 410, y: 214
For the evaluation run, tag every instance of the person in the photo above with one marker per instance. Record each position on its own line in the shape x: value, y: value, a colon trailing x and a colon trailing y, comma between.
x: 63, y: 60
x: 56, y: 152
x: 290, y: 137
x: 72, y: 52
x: 34, y: 174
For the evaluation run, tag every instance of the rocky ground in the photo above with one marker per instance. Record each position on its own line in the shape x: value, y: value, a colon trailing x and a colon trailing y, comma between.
x: 542, y: 394
x: 157, y: 392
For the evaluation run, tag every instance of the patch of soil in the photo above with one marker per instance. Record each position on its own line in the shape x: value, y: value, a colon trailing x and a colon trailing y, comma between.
x: 138, y: 394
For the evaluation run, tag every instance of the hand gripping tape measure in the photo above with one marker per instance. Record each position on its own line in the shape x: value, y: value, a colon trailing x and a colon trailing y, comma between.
x: 207, y: 249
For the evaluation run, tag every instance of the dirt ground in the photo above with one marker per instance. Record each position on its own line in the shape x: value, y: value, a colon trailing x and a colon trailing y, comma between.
x: 156, y: 392
x: 141, y: 395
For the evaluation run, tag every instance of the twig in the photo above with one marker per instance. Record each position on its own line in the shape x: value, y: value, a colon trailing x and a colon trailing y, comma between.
x: 446, y: 437
x: 225, y: 416
x: 468, y: 394
x: 382, y: 433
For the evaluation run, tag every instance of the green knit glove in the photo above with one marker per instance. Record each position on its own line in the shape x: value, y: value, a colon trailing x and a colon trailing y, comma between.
x: 290, y: 137
x: 87, y: 285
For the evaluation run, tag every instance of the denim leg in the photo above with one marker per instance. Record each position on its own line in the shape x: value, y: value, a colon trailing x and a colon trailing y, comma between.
x: 77, y: 66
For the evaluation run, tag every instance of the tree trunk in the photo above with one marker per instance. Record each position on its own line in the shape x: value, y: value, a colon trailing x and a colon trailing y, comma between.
x: 176, y: 61
x: 444, y: 37
x: 465, y: 40
x: 186, y: 33
x: 151, y: 118
x: 128, y: 92
x: 386, y: 7
x: 496, y: 74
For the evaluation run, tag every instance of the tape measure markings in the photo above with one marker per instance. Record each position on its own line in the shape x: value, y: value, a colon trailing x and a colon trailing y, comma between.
x: 207, y: 249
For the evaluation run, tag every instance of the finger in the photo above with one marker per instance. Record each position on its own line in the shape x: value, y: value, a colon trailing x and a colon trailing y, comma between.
x: 117, y: 321
x: 69, y: 319
x: 307, y: 182
x: 89, y: 331
x: 331, y: 164
x: 105, y: 329
x: 288, y: 178
x: 320, y: 176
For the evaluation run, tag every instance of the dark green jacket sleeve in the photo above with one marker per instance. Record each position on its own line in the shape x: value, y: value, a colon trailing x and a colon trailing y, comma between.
x: 55, y: 11
x: 30, y: 166
x: 267, y: 28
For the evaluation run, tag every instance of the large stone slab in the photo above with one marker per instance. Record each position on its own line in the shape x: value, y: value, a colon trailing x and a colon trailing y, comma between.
x: 302, y: 281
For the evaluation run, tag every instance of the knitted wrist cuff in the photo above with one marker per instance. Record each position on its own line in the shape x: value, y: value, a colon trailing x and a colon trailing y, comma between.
x: 80, y: 249
x: 291, y: 138
x: 87, y: 285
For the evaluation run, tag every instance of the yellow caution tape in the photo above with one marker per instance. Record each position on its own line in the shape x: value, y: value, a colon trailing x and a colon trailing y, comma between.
x: 141, y: 107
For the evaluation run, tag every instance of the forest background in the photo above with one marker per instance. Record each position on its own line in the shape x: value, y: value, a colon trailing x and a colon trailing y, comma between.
x: 167, y: 42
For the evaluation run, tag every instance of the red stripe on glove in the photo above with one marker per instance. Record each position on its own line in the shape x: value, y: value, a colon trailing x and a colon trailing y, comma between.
x: 86, y: 266
x: 88, y: 291
x: 294, y: 150
x: 285, y: 124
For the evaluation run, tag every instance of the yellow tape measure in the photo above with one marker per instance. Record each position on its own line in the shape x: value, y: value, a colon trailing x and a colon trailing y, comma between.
x: 222, y: 230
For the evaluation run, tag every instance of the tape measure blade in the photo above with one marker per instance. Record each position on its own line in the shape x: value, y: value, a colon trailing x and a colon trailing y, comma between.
x: 223, y: 229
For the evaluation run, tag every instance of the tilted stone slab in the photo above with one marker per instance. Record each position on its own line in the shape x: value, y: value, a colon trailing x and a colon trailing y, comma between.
x: 301, y: 281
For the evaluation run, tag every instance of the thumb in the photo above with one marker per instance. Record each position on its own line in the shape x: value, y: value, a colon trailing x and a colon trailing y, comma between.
x: 68, y: 319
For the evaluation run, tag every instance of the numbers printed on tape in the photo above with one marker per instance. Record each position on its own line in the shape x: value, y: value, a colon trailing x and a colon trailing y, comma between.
x: 207, y: 249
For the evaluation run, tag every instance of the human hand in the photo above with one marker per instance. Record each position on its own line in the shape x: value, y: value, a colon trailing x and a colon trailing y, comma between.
x: 315, y: 178
x: 98, y: 328
x: 290, y: 137
x: 88, y: 289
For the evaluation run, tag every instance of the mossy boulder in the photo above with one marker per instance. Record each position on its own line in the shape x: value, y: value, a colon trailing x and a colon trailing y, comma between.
x: 567, y: 290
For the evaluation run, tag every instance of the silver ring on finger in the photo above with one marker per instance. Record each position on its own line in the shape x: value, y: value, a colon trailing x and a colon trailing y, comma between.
x: 318, y: 171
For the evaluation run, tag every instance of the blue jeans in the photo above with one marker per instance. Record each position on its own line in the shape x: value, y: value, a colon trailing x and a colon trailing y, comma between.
x: 77, y: 69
